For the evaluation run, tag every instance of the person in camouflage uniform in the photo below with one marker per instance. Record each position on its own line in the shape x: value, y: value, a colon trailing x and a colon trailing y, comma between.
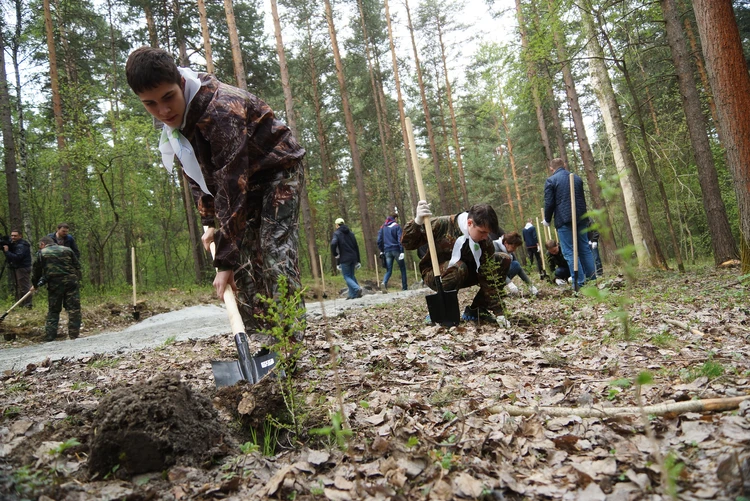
x: 245, y: 171
x: 466, y: 256
x: 59, y: 268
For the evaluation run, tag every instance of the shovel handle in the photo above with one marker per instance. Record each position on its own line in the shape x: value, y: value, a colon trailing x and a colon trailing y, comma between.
x: 575, y: 229
x: 235, y: 319
x: 422, y: 196
x: 17, y: 303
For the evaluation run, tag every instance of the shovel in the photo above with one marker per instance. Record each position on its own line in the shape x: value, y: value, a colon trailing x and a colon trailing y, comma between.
x: 246, y: 367
x: 11, y: 337
x: 575, y: 231
x: 443, y: 306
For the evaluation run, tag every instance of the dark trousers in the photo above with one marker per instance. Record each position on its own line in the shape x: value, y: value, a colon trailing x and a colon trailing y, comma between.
x: 534, y: 254
x: 21, y: 284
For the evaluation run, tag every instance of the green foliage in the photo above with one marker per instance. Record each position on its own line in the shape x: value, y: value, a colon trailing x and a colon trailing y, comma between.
x: 71, y: 442
x: 101, y: 362
x: 336, y: 433
x: 710, y: 369
x: 673, y: 469
x: 28, y: 481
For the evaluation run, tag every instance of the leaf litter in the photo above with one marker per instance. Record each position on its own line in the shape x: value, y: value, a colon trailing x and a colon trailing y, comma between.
x: 427, y: 406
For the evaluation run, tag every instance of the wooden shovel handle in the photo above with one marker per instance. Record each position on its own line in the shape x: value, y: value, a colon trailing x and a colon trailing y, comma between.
x: 235, y: 319
x: 575, y: 221
x: 422, y: 196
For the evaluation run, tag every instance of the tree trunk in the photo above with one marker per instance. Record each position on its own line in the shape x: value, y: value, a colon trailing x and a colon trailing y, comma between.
x: 646, y: 247
x: 307, y: 217
x: 511, y: 156
x: 587, y: 156
x: 58, y: 112
x: 454, y: 127
x: 427, y: 118
x: 234, y: 40
x: 531, y: 73
x: 22, y: 154
x: 698, y: 58
x: 722, y: 241
x: 730, y: 85
x: 9, y: 144
x: 401, y: 112
x: 152, y: 36
x: 359, y: 179
x: 649, y: 153
x: 206, y: 39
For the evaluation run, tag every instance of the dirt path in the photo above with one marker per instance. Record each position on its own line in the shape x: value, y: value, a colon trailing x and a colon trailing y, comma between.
x: 195, y: 322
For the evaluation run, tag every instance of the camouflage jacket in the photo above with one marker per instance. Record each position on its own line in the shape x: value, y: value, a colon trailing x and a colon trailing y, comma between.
x: 238, y: 142
x: 55, y: 262
x: 445, y: 230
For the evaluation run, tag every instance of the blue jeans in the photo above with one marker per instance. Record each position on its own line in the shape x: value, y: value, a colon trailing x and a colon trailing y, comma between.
x: 586, y: 266
x: 516, y: 270
x: 347, y: 270
x: 390, y: 257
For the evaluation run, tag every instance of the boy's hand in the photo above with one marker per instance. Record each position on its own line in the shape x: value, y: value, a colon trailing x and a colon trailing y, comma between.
x: 222, y: 280
x: 208, y: 237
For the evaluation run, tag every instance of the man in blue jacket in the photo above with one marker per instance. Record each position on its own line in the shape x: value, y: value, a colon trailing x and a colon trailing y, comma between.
x: 344, y: 247
x: 18, y: 257
x: 557, y: 202
x: 389, y: 243
x: 61, y: 237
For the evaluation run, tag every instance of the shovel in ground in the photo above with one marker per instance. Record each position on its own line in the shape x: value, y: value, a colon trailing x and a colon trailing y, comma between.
x: 246, y: 367
x: 11, y: 337
x: 575, y: 230
x: 443, y: 306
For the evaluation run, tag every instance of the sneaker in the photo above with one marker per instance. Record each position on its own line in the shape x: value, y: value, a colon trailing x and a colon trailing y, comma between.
x: 470, y: 315
x: 512, y: 289
x: 559, y: 281
x: 358, y: 294
x: 384, y: 286
x: 533, y: 290
x: 570, y: 280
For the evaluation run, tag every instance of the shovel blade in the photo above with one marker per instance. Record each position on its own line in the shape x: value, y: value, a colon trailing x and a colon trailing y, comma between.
x: 227, y: 373
x: 443, y: 308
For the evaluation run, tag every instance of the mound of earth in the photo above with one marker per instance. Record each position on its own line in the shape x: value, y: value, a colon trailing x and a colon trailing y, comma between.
x: 151, y: 426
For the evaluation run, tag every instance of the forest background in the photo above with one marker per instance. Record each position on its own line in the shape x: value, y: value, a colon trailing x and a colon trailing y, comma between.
x: 601, y: 83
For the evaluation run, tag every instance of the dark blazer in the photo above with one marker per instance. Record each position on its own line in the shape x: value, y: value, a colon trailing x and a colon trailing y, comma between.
x: 557, y: 199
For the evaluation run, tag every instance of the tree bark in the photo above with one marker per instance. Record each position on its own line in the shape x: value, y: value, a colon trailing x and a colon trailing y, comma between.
x: 401, y: 112
x: 722, y: 241
x: 531, y: 73
x: 234, y: 41
x: 58, y: 112
x: 152, y: 36
x: 9, y: 144
x: 730, y: 85
x: 206, y: 39
x: 22, y: 152
x: 307, y: 216
x: 511, y: 156
x: 454, y: 127
x: 359, y: 179
x: 642, y: 230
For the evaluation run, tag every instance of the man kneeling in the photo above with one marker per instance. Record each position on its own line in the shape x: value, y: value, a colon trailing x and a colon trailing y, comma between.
x: 466, y: 256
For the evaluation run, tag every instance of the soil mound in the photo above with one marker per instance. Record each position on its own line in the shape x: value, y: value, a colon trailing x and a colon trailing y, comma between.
x: 150, y: 426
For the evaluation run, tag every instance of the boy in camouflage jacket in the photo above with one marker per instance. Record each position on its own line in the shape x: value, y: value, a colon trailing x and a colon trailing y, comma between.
x: 466, y: 256
x: 244, y: 168
x: 59, y: 268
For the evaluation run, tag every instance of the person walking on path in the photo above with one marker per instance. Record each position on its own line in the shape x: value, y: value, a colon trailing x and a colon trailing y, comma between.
x: 531, y: 240
x: 62, y: 237
x: 59, y: 268
x: 389, y: 243
x: 344, y: 246
x: 466, y: 257
x: 508, y: 244
x: 557, y: 203
x: 18, y: 257
x: 245, y: 171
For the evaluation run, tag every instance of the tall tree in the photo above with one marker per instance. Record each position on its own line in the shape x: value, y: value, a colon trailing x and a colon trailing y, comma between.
x: 722, y: 241
x: 427, y: 117
x: 9, y: 145
x: 206, y: 38
x: 307, y: 217
x: 730, y: 85
x: 647, y: 246
x: 351, y: 134
x: 239, y: 67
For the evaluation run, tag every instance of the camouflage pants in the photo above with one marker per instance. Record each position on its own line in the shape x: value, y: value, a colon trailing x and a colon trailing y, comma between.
x: 490, y: 278
x: 63, y: 291
x: 269, y: 247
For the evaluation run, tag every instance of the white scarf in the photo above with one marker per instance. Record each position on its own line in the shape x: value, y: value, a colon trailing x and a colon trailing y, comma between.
x: 476, y: 250
x: 172, y: 142
x: 528, y: 225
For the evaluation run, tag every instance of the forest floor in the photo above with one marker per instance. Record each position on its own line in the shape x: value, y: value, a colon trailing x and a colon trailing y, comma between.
x: 406, y: 410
